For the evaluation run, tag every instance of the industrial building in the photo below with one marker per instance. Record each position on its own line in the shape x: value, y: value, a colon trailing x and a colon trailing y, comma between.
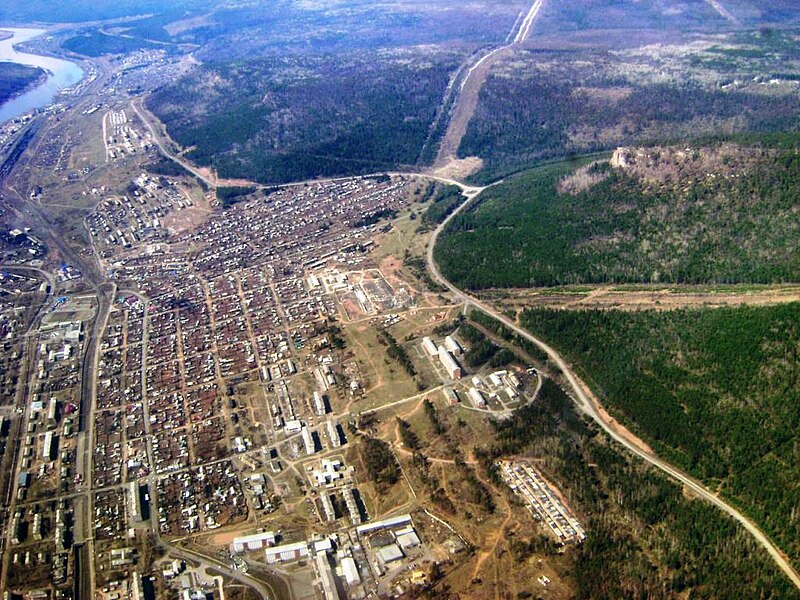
x: 287, y: 553
x: 329, y: 589
x: 350, y: 571
x: 383, y: 524
x: 257, y: 541
x: 134, y: 503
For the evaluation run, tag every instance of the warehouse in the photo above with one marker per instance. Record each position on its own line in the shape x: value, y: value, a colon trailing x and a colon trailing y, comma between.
x: 253, y: 542
x: 286, y: 553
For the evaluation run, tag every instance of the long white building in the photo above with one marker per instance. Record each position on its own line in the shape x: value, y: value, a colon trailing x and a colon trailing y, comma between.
x: 449, y: 363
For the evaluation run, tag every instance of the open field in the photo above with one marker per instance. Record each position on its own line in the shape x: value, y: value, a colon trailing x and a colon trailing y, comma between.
x: 643, y: 297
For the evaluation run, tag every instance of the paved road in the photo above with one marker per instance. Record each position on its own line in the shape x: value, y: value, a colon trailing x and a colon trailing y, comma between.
x: 589, y: 403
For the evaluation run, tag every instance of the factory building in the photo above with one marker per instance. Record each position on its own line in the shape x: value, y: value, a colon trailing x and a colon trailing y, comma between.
x: 134, y: 502
x: 286, y: 553
x: 257, y: 541
x: 350, y: 571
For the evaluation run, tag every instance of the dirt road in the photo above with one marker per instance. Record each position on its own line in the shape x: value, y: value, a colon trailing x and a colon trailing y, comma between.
x: 466, y: 102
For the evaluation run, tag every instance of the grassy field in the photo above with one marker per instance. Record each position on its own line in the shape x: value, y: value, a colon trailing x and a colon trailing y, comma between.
x: 385, y: 380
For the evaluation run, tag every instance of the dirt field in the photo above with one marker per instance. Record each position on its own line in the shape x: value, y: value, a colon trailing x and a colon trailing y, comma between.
x: 607, y: 298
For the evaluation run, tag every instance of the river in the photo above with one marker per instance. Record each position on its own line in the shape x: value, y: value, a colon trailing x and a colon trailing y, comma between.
x: 60, y: 74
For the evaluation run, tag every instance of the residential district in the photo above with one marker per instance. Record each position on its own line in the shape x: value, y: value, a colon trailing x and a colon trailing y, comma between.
x: 181, y: 397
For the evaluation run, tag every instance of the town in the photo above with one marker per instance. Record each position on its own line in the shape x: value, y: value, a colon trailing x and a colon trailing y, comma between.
x: 188, y: 395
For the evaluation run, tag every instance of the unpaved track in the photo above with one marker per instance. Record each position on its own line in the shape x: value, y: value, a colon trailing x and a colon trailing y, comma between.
x: 608, y: 298
x: 467, y: 100
x: 590, y: 405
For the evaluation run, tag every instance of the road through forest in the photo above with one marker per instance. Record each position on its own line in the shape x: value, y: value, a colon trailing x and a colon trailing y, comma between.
x: 591, y: 406
x: 466, y: 102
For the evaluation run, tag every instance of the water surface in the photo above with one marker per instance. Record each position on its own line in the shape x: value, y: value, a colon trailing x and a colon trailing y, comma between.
x: 60, y: 74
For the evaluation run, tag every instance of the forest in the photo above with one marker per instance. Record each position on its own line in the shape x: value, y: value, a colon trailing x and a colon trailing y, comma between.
x: 669, y: 222
x: 95, y: 43
x: 445, y: 201
x: 379, y: 462
x: 15, y: 79
x: 545, y: 103
x: 645, y: 538
x: 292, y: 118
x: 230, y: 195
x: 715, y: 391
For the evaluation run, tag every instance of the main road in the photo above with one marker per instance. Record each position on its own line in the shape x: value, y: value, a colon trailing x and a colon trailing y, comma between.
x: 589, y: 404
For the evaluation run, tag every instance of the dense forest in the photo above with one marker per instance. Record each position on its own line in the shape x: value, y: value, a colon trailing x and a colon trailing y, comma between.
x: 718, y: 215
x: 379, y: 462
x: 15, y: 79
x: 95, y: 43
x: 717, y: 392
x: 293, y: 118
x: 230, y: 195
x: 445, y: 201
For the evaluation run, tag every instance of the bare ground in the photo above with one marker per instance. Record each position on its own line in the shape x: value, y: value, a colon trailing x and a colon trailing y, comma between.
x: 607, y: 298
x: 465, y: 106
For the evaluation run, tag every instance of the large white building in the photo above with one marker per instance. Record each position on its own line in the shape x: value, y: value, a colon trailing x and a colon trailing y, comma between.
x: 449, y: 363
x: 286, y: 553
x: 429, y: 346
x: 350, y: 571
x: 252, y: 542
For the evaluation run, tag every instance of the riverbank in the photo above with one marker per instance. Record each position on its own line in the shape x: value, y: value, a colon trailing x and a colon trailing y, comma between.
x: 59, y: 74
x: 16, y: 79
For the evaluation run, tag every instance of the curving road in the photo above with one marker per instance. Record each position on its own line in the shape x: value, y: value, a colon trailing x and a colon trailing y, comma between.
x: 590, y: 405
x: 581, y: 394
